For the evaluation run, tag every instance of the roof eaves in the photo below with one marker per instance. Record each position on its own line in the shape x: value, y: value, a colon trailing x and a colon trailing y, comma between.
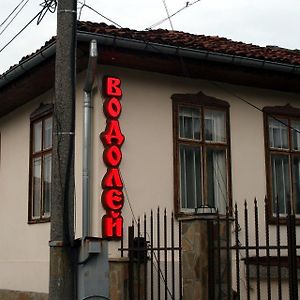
x: 27, y: 64
x: 198, y: 54
x: 151, y: 47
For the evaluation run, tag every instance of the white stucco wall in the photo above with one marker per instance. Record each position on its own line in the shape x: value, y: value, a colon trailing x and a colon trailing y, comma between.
x: 24, y: 248
x: 146, y: 122
x: 147, y: 165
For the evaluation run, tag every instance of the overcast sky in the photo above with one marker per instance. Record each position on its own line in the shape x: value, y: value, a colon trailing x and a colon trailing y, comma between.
x: 261, y: 22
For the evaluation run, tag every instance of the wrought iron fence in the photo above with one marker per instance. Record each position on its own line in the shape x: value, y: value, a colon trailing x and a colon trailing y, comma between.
x: 250, y: 255
x: 154, y: 251
x: 261, y: 254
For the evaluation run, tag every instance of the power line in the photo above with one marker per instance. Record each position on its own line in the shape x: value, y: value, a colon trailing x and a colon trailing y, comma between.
x: 137, y: 223
x: 167, y: 11
x: 95, y: 11
x: 254, y: 106
x: 14, y: 17
x: 188, y: 4
x: 48, y: 5
x: 186, y: 73
x: 11, y: 13
x: 80, y: 9
x: 18, y: 33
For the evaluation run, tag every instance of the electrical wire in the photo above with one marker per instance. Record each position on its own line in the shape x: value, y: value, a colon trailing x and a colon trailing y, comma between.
x: 14, y: 17
x: 167, y: 11
x: 185, y: 70
x: 95, y: 11
x: 10, y: 41
x: 188, y: 4
x: 137, y: 223
x: 80, y: 9
x: 186, y: 73
x: 11, y: 13
x: 48, y: 5
x: 253, y: 105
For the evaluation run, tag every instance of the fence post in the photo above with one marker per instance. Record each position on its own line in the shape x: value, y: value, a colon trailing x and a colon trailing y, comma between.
x: 292, y: 253
x: 202, y: 261
x: 131, y: 262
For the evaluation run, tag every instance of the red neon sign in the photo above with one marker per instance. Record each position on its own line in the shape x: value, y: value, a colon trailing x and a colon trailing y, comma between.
x: 112, y: 139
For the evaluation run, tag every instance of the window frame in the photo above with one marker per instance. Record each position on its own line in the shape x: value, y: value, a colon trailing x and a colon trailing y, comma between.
x: 202, y: 102
x: 291, y: 114
x: 41, y: 114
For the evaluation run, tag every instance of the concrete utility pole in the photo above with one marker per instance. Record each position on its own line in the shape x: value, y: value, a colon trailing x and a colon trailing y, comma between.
x: 62, y: 254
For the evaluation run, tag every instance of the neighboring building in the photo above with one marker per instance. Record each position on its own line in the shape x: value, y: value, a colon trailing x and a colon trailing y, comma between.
x: 200, y: 134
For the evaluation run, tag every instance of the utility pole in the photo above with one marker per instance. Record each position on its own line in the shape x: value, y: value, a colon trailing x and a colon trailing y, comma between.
x: 62, y: 257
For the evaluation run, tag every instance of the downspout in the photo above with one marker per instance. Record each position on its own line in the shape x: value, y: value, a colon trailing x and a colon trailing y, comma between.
x: 87, y: 108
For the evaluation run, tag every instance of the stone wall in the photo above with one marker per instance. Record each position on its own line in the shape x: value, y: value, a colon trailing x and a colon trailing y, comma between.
x: 118, y: 279
x: 16, y: 295
x: 201, y: 260
x: 194, y: 260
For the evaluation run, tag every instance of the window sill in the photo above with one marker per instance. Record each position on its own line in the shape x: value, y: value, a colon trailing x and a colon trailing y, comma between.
x: 282, y: 220
x: 37, y: 221
x: 272, y: 263
x: 201, y: 216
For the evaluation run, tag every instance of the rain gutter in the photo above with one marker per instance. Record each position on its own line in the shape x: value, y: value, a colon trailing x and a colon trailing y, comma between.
x: 29, y: 63
x: 139, y: 45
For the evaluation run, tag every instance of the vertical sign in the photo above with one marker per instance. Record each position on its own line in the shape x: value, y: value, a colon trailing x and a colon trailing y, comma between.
x: 112, y: 139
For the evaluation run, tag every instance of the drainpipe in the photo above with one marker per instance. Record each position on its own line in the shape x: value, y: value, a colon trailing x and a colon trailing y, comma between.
x: 87, y: 108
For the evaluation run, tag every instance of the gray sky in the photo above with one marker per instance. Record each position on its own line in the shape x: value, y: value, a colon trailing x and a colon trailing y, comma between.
x: 261, y: 22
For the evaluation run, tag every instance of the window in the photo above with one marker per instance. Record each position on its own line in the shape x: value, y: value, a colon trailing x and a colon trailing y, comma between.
x: 40, y: 165
x: 282, y: 133
x: 201, y: 153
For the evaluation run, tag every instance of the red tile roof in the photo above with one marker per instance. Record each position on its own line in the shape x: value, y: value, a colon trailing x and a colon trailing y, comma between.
x: 200, y: 42
x: 192, y: 41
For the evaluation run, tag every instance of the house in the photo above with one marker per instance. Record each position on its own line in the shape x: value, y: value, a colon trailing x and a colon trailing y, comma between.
x: 207, y: 122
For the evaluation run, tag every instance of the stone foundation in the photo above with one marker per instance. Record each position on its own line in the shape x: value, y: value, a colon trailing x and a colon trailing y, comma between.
x: 200, y: 263
x: 194, y: 260
x: 16, y: 295
x: 118, y: 279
